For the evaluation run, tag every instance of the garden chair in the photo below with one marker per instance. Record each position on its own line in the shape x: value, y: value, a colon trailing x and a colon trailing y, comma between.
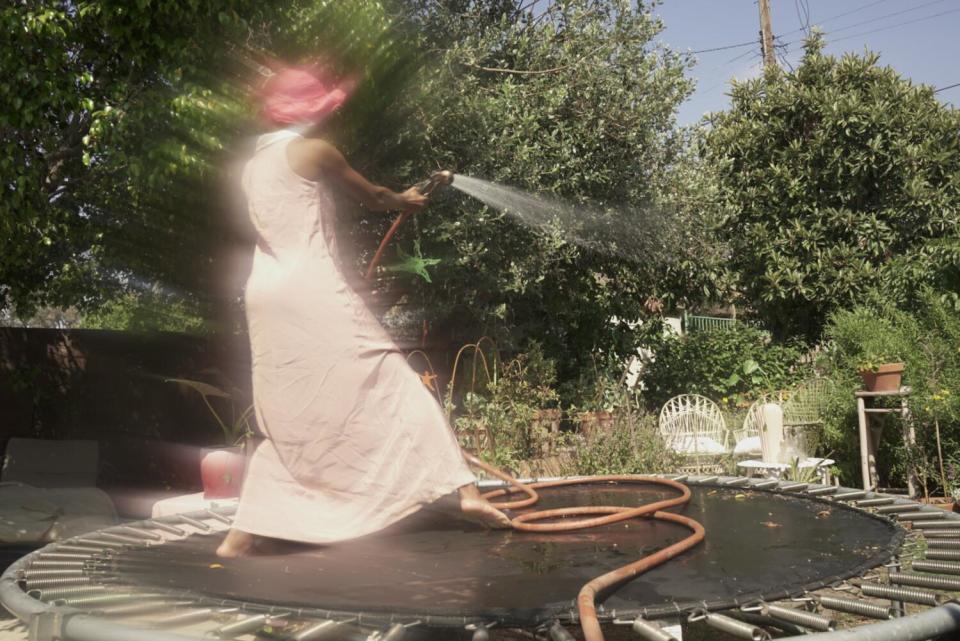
x: 693, y: 425
x: 746, y: 440
x: 803, y: 413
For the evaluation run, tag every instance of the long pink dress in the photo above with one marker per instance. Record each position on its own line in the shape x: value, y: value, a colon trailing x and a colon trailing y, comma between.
x: 355, y: 441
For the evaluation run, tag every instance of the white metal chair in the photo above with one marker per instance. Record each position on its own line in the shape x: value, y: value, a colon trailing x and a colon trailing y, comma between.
x: 693, y: 425
x: 803, y: 413
x: 747, y: 439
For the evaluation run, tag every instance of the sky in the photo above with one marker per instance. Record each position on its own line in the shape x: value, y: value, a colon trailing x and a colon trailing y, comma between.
x: 918, y: 38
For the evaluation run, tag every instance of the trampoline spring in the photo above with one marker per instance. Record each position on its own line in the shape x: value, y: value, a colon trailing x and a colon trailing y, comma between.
x: 740, y: 480
x: 705, y: 479
x: 219, y: 517
x: 905, y: 594
x: 141, y: 533
x: 107, y: 599
x: 55, y: 582
x: 128, y: 609
x: 680, y: 478
x: 243, y: 626
x: 899, y: 507
x: 875, y: 502
x: 822, y: 491
x: 397, y: 631
x: 794, y: 487
x: 935, y: 525
x: 852, y: 606
x: 123, y: 539
x: 941, y: 534
x: 323, y: 630
x: 810, y: 620
x: 166, y: 527
x: 104, y: 543
x: 944, y: 543
x: 925, y: 581
x: 41, y: 573
x: 53, y: 565
x: 189, y: 520
x: 735, y: 627
x: 187, y: 618
x: 50, y: 594
x: 937, y: 567
x: 559, y: 633
x: 850, y: 496
x: 50, y: 556
x: 766, y: 485
x: 83, y: 549
x: 921, y: 515
x: 943, y: 555
x: 650, y: 630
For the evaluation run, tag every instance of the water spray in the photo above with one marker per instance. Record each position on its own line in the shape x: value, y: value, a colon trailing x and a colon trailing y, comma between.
x: 437, y: 179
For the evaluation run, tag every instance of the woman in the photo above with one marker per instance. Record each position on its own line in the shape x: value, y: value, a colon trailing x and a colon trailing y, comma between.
x: 354, y: 440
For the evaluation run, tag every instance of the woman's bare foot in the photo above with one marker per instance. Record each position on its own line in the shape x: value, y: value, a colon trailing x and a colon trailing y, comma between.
x: 475, y: 508
x: 238, y: 543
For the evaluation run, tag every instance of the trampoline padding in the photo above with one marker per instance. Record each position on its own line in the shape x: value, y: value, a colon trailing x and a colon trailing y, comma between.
x: 758, y: 544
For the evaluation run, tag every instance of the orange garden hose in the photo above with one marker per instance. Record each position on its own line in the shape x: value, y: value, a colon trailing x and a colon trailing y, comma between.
x: 594, y: 515
x: 586, y: 600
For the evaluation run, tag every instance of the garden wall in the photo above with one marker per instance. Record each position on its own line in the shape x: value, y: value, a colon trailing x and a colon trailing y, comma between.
x: 109, y: 387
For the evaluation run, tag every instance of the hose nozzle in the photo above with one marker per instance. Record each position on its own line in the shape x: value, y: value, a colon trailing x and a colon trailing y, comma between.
x: 436, y: 179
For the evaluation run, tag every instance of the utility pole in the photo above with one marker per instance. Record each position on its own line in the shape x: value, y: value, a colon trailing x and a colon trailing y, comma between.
x: 766, y: 34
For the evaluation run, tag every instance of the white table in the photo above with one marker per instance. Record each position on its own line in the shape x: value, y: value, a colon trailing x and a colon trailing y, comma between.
x: 187, y: 503
x: 777, y: 470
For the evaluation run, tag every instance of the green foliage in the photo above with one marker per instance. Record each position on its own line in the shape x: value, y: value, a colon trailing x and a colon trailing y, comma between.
x: 574, y: 99
x: 502, y: 420
x: 926, y: 339
x: 835, y: 179
x: 738, y: 363
x: 148, y: 311
x: 235, y: 422
x: 632, y: 446
x: 117, y: 119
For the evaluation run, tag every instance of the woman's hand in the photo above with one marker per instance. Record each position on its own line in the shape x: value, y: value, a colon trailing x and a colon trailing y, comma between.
x: 413, y: 200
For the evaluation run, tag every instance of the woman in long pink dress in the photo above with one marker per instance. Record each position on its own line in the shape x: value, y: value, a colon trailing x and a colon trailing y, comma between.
x: 354, y: 440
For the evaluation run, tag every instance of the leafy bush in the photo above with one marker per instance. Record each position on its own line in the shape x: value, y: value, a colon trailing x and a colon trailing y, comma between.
x: 736, y: 363
x: 926, y: 340
x: 632, y: 446
x: 502, y: 419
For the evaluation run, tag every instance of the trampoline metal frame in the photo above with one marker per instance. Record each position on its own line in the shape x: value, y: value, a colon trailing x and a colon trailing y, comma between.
x: 62, y: 621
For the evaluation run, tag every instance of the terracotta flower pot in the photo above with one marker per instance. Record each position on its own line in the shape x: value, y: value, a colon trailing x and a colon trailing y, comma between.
x: 885, y: 378
x: 221, y: 471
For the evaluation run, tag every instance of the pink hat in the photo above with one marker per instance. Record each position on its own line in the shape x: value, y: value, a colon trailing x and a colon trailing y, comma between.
x: 303, y: 94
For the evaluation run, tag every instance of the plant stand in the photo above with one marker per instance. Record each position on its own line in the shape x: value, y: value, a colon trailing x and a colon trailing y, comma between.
x: 870, y: 435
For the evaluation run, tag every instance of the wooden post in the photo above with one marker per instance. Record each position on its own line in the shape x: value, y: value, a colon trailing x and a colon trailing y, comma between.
x: 865, y: 444
x: 766, y: 31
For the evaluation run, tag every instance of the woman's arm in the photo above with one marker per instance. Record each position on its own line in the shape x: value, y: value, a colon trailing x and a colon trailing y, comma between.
x: 312, y: 158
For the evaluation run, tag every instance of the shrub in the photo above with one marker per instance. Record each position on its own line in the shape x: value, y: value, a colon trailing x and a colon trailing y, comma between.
x: 632, y: 446
x: 926, y: 340
x: 736, y: 363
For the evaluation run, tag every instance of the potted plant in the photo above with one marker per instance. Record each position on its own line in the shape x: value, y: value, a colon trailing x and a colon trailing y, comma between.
x: 222, y: 468
x: 880, y: 373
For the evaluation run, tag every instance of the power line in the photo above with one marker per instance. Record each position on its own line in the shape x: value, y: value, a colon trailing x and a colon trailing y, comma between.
x: 887, y: 15
x: 939, y: 89
x: 736, y: 46
x: 895, y: 26
x: 834, y: 17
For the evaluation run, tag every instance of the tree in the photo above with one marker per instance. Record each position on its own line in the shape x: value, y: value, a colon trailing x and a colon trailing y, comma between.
x: 116, y: 122
x: 574, y: 100
x: 836, y: 179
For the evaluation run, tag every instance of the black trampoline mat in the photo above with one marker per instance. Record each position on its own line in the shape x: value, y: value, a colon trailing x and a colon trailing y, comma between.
x: 757, y: 543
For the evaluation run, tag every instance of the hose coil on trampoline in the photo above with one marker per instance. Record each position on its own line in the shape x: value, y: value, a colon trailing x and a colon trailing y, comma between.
x: 595, y: 516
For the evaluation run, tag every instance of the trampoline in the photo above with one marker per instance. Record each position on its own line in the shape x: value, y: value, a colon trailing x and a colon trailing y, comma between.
x: 781, y: 558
